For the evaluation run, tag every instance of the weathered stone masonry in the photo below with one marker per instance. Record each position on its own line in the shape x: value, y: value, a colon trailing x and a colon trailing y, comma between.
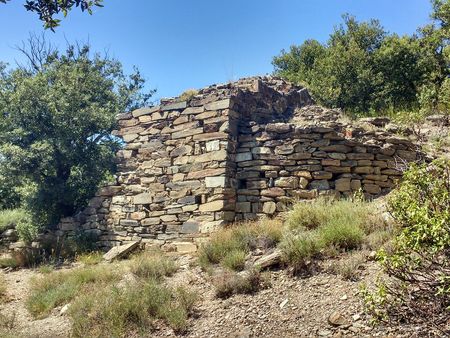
x: 232, y: 152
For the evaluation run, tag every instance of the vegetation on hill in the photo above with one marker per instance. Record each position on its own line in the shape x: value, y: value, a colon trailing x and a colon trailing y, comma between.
x: 365, y: 70
x: 418, y: 261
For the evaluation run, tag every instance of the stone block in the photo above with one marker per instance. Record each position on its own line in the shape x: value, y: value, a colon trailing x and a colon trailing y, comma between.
x: 174, y: 106
x: 319, y: 185
x: 241, y: 157
x: 216, y: 181
x: 218, y: 105
x: 287, y: 182
x: 243, y: 207
x: 190, y: 227
x: 212, y: 206
x: 269, y: 208
x: 322, y: 175
x: 342, y: 184
x: 143, y: 198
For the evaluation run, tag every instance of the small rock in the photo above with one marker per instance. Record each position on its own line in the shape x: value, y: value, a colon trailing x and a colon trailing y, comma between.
x: 336, y: 319
x: 344, y: 297
x: 356, y: 317
x: 64, y: 309
x: 283, y: 303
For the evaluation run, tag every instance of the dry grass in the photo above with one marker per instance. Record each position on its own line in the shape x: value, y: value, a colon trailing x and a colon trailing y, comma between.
x: 229, y: 246
x: 228, y: 283
x: 3, y: 288
x: 349, y: 266
x: 61, y: 287
x: 90, y: 258
x: 152, y: 266
x: 325, y: 227
x: 130, y: 311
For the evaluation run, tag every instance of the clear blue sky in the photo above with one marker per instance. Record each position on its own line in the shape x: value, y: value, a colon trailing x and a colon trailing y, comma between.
x: 181, y: 44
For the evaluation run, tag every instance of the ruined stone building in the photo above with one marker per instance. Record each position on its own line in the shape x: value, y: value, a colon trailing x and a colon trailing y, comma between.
x: 234, y: 152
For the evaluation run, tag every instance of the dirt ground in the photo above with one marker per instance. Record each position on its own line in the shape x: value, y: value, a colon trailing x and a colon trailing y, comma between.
x: 289, y: 307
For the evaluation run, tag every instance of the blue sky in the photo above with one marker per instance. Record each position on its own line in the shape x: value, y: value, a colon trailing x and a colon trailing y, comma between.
x: 182, y: 44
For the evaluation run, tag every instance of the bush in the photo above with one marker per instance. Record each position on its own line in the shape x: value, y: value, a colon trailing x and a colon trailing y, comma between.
x: 129, y: 311
x: 348, y: 267
x: 11, y: 217
x: 58, y: 288
x: 228, y: 283
x: 299, y: 249
x: 235, y: 260
x: 150, y: 266
x: 418, y: 261
x: 346, y: 236
x: 324, y: 212
x: 240, y: 238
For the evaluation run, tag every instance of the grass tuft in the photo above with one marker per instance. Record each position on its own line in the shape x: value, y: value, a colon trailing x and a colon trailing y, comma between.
x: 152, y: 266
x: 229, y: 246
x: 132, y: 310
x: 59, y: 288
x: 228, y: 283
x: 90, y: 258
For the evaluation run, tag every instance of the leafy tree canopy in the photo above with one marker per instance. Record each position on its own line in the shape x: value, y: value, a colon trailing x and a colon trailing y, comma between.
x: 48, y: 9
x: 56, y: 118
x: 362, y: 68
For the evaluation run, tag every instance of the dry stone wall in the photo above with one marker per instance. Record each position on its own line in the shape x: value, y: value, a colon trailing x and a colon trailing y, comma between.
x: 232, y: 152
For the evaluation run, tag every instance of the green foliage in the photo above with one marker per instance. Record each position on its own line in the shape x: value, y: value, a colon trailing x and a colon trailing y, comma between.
x: 345, y: 236
x: 47, y: 10
x: 118, y: 312
x: 11, y: 217
x: 58, y: 288
x: 418, y: 260
x: 152, y: 266
x: 363, y: 69
x: 9, y: 193
x: 90, y: 258
x: 56, y: 118
x: 323, y: 226
x: 234, y: 242
x: 234, y: 260
x: 299, y: 249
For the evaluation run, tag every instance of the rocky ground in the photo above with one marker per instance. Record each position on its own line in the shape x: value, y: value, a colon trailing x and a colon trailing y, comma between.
x: 320, y: 305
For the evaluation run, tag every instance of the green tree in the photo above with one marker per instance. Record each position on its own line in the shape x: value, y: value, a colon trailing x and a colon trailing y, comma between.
x: 363, y: 69
x: 56, y: 118
x: 47, y: 10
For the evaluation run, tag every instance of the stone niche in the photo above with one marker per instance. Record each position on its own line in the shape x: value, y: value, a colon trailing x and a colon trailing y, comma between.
x: 234, y: 152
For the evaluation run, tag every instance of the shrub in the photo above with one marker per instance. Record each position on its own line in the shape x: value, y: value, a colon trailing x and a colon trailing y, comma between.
x: 324, y: 211
x: 240, y: 238
x: 119, y: 312
x: 150, y: 266
x: 348, y: 267
x: 228, y: 283
x: 58, y: 288
x: 346, y: 236
x: 8, y: 262
x: 11, y: 217
x: 417, y: 262
x: 299, y: 249
x: 235, y: 260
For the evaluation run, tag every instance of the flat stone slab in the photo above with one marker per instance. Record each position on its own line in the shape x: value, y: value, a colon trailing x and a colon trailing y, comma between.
x: 120, y: 251
x: 269, y: 260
